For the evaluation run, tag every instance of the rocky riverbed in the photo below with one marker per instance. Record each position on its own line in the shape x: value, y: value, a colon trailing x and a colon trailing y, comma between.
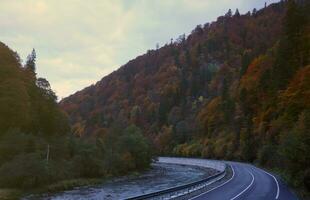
x: 160, y: 176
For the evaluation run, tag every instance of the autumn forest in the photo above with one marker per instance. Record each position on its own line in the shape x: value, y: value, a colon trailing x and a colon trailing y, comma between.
x: 234, y: 89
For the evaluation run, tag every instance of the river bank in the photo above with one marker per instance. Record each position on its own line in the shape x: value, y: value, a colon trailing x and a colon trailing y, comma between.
x: 160, y: 176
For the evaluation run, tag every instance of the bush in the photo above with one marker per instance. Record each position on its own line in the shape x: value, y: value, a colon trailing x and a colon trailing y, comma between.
x: 14, y: 143
x: 135, y: 146
x: 24, y: 171
x: 86, y: 163
x: 266, y: 155
x: 29, y: 161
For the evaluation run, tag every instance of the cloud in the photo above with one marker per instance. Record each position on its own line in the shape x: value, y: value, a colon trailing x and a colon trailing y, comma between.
x: 78, y: 42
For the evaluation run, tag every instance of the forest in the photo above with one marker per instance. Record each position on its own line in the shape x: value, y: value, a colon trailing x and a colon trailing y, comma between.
x: 37, y: 148
x: 234, y: 89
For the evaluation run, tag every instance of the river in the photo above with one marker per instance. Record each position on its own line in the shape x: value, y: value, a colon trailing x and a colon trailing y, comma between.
x: 160, y: 176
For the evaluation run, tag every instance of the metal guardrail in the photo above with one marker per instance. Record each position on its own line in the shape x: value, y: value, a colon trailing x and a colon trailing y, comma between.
x: 214, y: 164
x: 179, y: 190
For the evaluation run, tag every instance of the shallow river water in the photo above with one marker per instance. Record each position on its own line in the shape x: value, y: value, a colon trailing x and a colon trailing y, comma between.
x: 161, y: 176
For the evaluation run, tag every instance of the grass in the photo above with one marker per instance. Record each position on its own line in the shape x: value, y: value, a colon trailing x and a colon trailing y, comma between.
x: 10, y: 194
x: 14, y: 194
x: 70, y: 184
x: 300, y: 192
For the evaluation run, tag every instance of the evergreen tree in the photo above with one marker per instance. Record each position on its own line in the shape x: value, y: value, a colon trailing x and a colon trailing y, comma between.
x: 245, y: 61
x: 229, y: 13
x: 31, y: 61
x: 254, y: 12
x: 294, y: 47
x: 237, y: 14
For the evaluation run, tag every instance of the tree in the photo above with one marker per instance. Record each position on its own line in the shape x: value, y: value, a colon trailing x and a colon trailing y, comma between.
x: 229, y: 13
x: 237, y: 14
x: 182, y: 132
x: 247, y: 145
x: 245, y: 62
x: 227, y: 102
x: 31, y: 61
x: 294, y: 49
x: 295, y: 22
x: 164, y: 139
x: 294, y: 148
x: 45, y: 87
x: 134, y: 143
x: 295, y: 98
x: 163, y: 110
x: 181, y: 39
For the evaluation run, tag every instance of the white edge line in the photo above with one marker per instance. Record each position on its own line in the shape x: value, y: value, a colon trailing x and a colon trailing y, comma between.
x: 275, y: 179
x: 216, y: 186
x: 243, y: 191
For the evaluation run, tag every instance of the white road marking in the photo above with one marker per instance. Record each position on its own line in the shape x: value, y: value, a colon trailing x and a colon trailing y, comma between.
x: 253, y: 178
x: 233, y: 175
x: 243, y: 191
x: 275, y: 179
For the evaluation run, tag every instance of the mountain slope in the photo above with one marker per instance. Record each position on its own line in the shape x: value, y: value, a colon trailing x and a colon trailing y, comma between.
x: 151, y: 89
x: 237, y: 88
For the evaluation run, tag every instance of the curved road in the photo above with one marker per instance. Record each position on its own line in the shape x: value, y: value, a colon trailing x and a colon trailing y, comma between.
x: 249, y: 182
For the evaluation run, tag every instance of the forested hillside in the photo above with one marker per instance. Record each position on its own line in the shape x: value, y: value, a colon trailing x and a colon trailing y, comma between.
x: 235, y: 89
x: 36, y: 145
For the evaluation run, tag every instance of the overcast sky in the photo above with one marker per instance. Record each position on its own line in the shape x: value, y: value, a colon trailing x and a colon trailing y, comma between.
x: 78, y: 42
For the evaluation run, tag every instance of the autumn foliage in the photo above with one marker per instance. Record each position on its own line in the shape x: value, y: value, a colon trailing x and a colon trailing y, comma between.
x: 236, y: 88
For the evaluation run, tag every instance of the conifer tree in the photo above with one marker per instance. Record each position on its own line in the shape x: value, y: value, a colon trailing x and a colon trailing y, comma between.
x: 31, y: 61
x: 237, y: 14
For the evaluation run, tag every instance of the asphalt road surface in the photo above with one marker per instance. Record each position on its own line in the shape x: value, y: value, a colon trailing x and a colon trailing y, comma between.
x: 249, y: 182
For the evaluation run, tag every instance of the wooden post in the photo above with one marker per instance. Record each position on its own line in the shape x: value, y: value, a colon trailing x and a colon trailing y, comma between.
x: 48, y: 153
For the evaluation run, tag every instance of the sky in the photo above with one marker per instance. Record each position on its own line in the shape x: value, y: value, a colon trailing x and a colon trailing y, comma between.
x: 78, y: 42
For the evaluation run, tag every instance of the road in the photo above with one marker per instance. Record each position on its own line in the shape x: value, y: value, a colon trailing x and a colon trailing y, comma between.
x: 249, y: 182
